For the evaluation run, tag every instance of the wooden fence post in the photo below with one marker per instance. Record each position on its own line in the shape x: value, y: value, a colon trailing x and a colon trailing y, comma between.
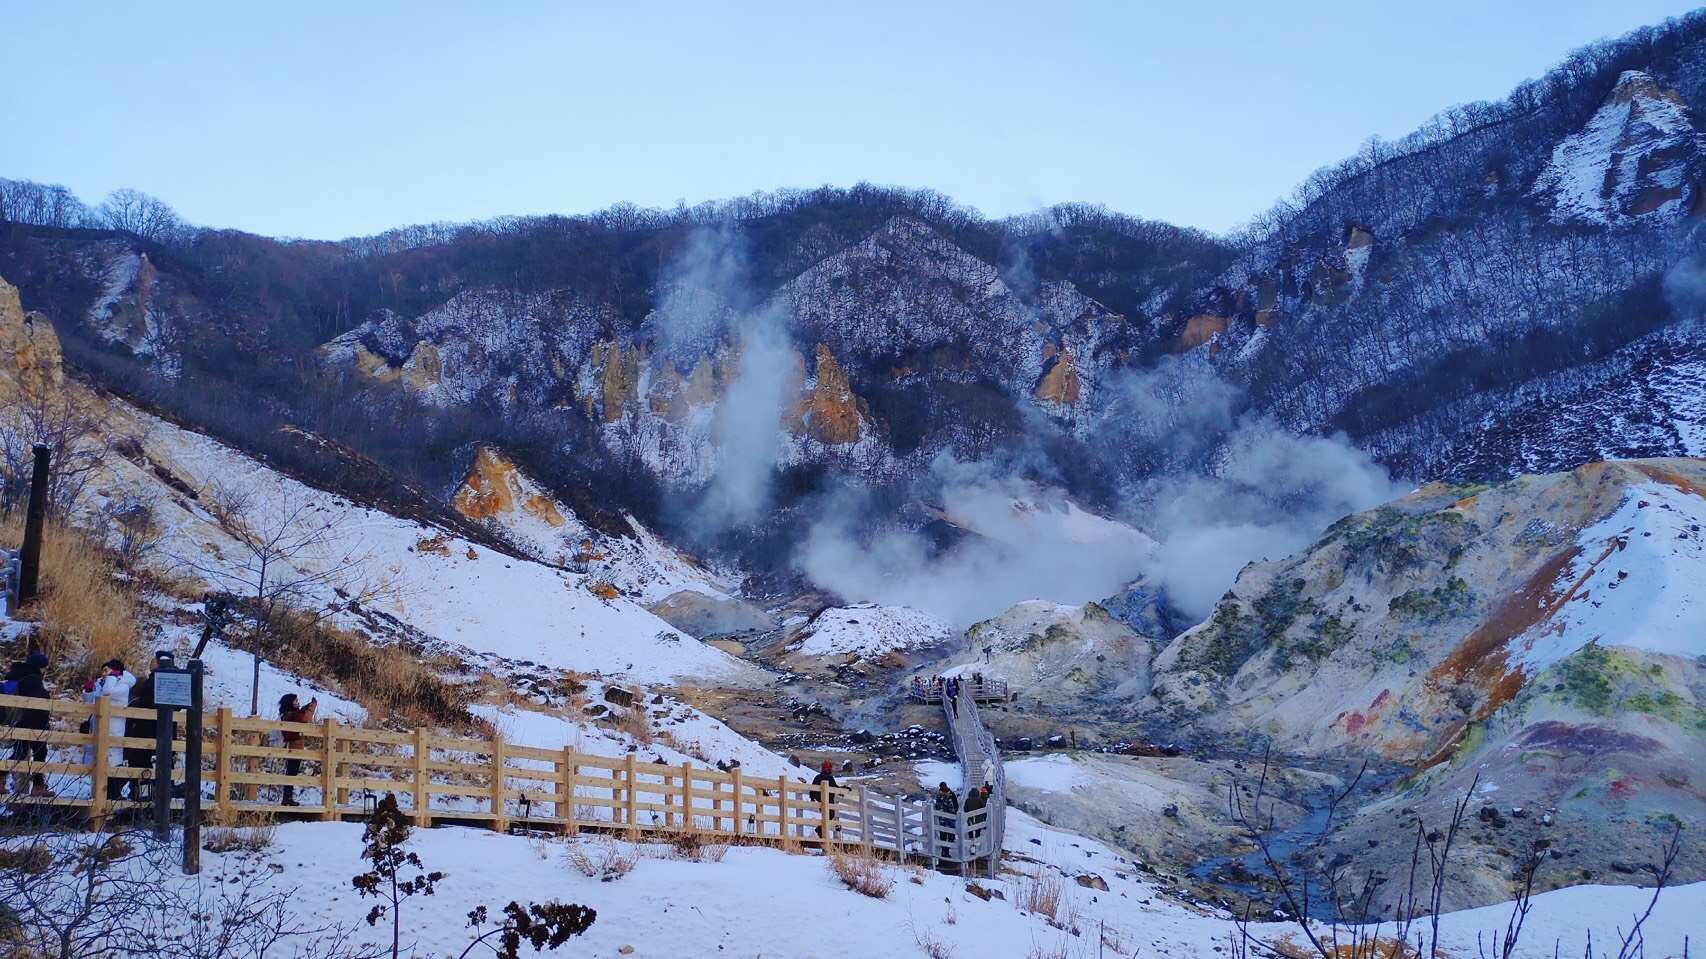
x: 423, y: 801
x: 221, y: 763
x: 782, y: 807
x: 98, y: 803
x: 329, y: 773
x: 566, y: 792
x: 686, y: 797
x: 735, y: 775
x: 500, y: 808
x: 864, y: 821
x: 631, y: 798
x: 823, y: 826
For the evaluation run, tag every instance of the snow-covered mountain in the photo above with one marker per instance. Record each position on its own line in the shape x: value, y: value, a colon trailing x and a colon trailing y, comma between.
x: 1508, y: 262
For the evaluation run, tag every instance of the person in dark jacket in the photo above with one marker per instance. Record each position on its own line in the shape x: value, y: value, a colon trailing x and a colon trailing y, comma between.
x: 825, y: 777
x: 978, y: 799
x: 291, y: 711
x: 141, y: 757
x: 946, y: 802
x: 28, y: 676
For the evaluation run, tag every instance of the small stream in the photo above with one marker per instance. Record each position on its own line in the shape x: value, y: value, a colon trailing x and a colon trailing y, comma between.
x: 1249, y: 876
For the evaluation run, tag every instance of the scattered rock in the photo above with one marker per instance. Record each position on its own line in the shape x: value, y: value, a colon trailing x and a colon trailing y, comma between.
x: 1092, y: 881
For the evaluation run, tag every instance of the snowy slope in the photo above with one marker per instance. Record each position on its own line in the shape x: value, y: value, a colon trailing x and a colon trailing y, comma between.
x: 456, y: 594
x: 639, y: 565
x: 868, y: 630
x: 1635, y: 582
x: 1629, y: 160
x: 761, y: 902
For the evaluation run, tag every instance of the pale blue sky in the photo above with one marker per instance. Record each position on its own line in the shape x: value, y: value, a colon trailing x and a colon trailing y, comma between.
x: 332, y: 119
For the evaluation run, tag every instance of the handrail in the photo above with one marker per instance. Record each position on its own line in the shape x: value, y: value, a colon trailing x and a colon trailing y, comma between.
x: 438, y: 778
x: 975, y: 748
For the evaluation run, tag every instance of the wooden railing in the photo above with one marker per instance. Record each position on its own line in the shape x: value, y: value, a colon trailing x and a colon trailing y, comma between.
x: 978, y: 690
x: 454, y: 779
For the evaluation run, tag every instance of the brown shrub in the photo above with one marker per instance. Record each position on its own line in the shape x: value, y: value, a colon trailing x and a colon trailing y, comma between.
x: 386, y: 680
x: 603, y: 859
x: 87, y: 613
x: 862, y: 874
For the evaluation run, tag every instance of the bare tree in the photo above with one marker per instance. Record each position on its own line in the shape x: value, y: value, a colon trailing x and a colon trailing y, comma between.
x: 136, y: 212
x: 77, y: 432
x: 293, y: 555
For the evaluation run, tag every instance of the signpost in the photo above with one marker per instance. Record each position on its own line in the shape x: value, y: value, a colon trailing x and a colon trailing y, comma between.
x: 178, y: 688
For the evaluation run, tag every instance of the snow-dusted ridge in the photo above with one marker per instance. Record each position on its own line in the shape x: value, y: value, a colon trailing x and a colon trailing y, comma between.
x: 461, y: 594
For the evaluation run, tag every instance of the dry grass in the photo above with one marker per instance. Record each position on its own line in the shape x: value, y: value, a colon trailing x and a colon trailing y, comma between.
x: 931, y: 946
x: 695, y: 846
x: 862, y: 874
x: 635, y: 723
x: 603, y: 859
x: 239, y: 831
x: 387, y: 680
x: 1045, y: 896
x: 88, y: 614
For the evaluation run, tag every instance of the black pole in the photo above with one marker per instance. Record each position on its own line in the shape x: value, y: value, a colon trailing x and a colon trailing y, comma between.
x: 162, y: 754
x: 192, y: 774
x: 29, y: 569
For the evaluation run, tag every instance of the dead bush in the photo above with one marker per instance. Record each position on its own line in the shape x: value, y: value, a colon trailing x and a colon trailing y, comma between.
x: 695, y: 846
x: 862, y: 874
x: 1043, y: 895
x: 385, y: 679
x: 240, y: 831
x: 31, y: 860
x: 87, y: 612
x: 635, y: 724
x: 603, y: 859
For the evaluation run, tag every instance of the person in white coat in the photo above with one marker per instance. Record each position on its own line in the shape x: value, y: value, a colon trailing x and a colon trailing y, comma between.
x: 115, y: 684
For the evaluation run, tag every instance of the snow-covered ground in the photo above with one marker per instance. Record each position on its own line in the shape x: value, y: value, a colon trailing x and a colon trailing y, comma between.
x: 1629, y: 585
x: 447, y: 588
x: 762, y: 902
x: 868, y: 630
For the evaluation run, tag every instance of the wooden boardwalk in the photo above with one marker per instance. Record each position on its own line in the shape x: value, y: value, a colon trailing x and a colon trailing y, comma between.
x: 979, y: 833
x: 346, y: 769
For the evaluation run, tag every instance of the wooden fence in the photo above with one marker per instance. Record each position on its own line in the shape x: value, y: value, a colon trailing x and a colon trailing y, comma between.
x: 978, y: 689
x: 453, y: 779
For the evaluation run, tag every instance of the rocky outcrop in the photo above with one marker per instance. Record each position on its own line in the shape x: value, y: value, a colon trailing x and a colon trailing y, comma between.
x: 494, y: 488
x: 1201, y: 329
x: 1638, y: 156
x: 829, y: 412
x: 1060, y: 385
x: 29, y: 348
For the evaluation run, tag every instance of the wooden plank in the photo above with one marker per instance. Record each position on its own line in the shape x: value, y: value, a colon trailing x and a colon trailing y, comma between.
x: 865, y: 821
x: 73, y: 707
x: 499, y: 784
x: 346, y: 783
x: 27, y: 766
x: 98, y: 802
x: 565, y: 805
x: 329, y: 773
x: 422, y: 802
x: 263, y: 779
x: 222, y: 761
x: 735, y: 776
x: 687, y: 796
x: 628, y: 790
x: 514, y: 751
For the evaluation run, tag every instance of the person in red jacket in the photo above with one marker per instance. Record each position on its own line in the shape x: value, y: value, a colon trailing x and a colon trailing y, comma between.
x: 290, y: 711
